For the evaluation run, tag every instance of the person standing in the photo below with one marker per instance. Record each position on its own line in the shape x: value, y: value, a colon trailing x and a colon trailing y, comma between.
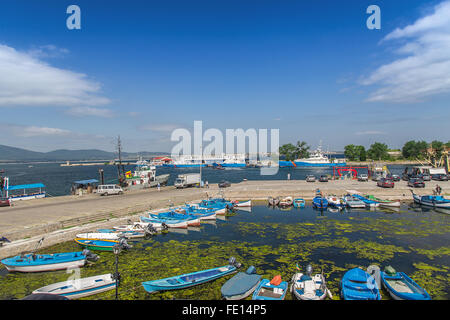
x: 206, y: 184
x: 159, y: 186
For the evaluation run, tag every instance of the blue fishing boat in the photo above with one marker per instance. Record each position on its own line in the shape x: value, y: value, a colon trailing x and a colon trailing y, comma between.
x: 241, y: 285
x: 320, y: 202
x: 162, y: 223
x: 402, y: 287
x: 48, y: 262
x: 190, y: 279
x: 299, y: 203
x: 192, y: 220
x: 367, y: 202
x: 274, y: 289
x: 357, y: 284
x: 432, y: 201
x: 202, y: 214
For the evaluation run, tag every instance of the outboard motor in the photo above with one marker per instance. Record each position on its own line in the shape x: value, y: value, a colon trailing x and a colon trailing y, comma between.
x: 91, y: 257
x: 309, y: 270
x: 232, y: 262
x: 164, y: 226
x: 123, y: 244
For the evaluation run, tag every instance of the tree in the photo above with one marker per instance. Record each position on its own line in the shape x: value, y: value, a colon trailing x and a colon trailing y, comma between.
x: 288, y: 151
x: 361, y: 151
x: 438, y: 147
x: 350, y: 152
x: 302, y: 150
x: 355, y: 153
x: 378, y: 151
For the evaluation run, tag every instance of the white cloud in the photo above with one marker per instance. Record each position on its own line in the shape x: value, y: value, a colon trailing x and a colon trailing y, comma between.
x: 48, y: 51
x: 89, y: 111
x: 425, y: 70
x: 361, y: 133
x: 32, y: 131
x: 28, y: 81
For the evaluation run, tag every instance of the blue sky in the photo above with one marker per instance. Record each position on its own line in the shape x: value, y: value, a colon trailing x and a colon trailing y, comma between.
x: 143, y: 68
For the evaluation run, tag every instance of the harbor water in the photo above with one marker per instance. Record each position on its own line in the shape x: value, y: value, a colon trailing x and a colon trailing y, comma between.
x: 58, y: 179
x: 410, y: 239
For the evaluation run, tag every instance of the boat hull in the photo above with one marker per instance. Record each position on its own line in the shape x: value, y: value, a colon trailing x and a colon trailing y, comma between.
x: 187, y: 280
x: 79, y: 288
x: 265, y: 285
x: 20, y: 264
x: 97, y: 245
x: 420, y: 293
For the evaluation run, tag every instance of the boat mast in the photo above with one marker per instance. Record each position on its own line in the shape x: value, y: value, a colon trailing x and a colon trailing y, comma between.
x: 121, y: 176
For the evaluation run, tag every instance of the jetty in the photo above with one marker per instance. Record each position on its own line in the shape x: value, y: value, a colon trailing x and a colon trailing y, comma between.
x: 60, y: 218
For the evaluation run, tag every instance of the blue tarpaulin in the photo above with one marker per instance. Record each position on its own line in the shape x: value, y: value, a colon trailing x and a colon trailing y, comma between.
x: 86, y: 181
x: 26, y: 186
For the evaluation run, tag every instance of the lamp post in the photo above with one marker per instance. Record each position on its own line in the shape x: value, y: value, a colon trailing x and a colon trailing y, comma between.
x: 116, y: 250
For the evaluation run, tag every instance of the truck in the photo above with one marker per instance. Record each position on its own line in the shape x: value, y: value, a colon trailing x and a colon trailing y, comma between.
x: 187, y: 180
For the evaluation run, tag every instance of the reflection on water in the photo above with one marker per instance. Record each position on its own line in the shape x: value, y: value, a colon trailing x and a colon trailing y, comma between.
x: 412, y: 239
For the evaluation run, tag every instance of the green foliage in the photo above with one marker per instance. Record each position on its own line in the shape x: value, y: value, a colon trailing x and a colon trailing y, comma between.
x: 291, y: 152
x: 414, y: 149
x: 378, y: 151
x: 355, y: 153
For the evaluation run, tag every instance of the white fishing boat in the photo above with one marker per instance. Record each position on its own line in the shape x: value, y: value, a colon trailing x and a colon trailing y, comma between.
x: 286, y: 202
x: 79, y: 288
x: 353, y: 202
x: 99, y: 235
x: 247, y: 203
x: 305, y: 287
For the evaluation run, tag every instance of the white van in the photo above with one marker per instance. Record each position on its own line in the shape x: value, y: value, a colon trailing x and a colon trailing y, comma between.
x: 107, y: 189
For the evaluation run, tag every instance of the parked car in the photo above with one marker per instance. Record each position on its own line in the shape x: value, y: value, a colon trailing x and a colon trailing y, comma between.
x: 425, y: 177
x: 224, y: 184
x: 385, y: 183
x: 439, y: 177
x: 416, y: 183
x: 107, y: 189
x: 323, y: 178
x: 363, y: 177
x: 310, y: 178
x: 394, y: 177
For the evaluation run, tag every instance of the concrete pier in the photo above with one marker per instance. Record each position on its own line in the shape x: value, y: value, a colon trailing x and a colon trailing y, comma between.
x: 58, y: 219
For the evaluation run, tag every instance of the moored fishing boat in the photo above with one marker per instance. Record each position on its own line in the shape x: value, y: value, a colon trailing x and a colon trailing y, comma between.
x: 286, y: 202
x: 99, y: 244
x: 353, y: 202
x: 402, y: 287
x: 99, y: 235
x: 432, y: 201
x: 298, y: 203
x: 357, y: 284
x: 192, y: 220
x: 79, y: 288
x: 241, y: 285
x: 161, y: 223
x: 384, y: 202
x: 247, y: 203
x: 367, y: 202
x: 190, y: 279
x: 334, y: 201
x: 48, y: 262
x: 274, y: 289
x: 305, y: 287
x: 320, y: 202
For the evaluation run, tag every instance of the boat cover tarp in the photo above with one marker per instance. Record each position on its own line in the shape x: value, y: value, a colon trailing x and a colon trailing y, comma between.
x: 239, y: 284
x: 26, y: 186
x: 276, y: 280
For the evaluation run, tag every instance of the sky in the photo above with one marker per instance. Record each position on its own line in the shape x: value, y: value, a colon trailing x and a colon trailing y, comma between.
x: 140, y: 69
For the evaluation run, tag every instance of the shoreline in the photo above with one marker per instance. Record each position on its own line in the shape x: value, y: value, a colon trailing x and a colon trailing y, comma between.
x: 60, y: 218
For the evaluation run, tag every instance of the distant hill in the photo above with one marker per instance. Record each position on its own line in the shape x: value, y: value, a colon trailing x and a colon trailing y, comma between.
x: 17, y: 154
